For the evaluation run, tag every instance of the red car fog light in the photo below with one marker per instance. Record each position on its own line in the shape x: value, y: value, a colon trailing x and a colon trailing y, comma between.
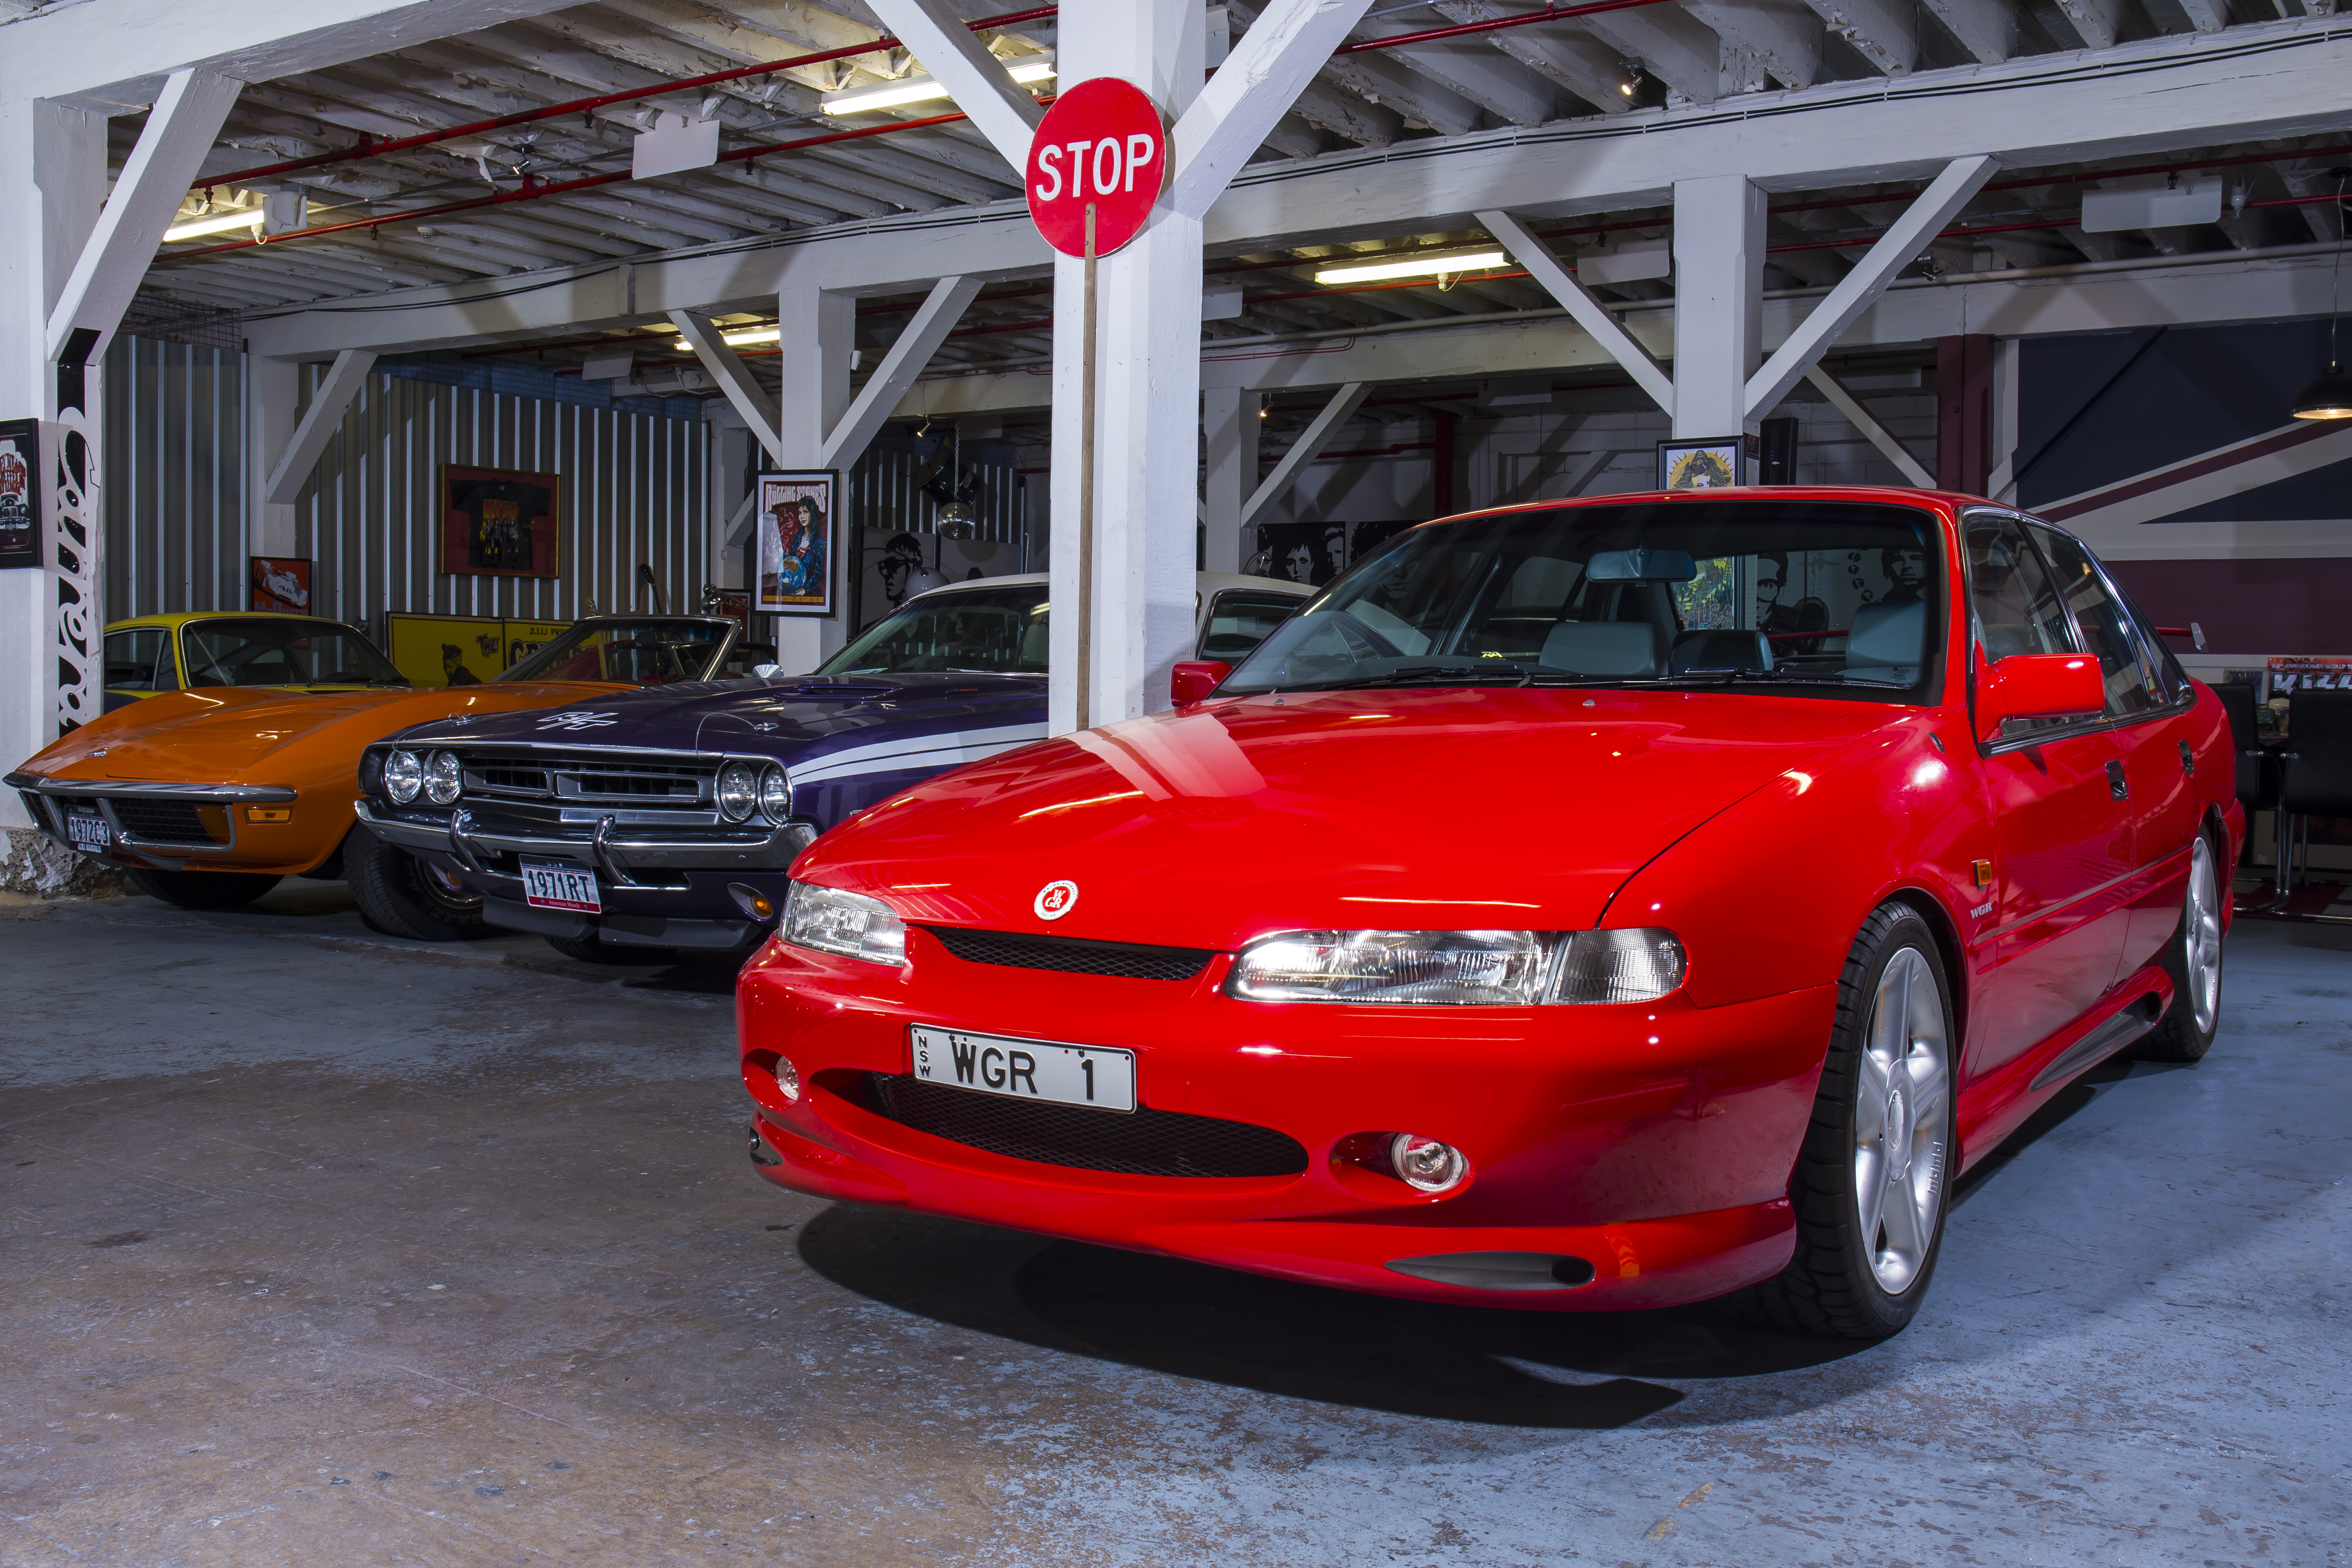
x: 1425, y: 1164
x: 771, y: 1079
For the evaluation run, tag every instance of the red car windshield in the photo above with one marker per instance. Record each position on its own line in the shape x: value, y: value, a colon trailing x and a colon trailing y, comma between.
x: 1843, y: 597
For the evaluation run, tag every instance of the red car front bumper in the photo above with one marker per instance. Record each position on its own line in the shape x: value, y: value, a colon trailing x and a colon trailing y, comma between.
x: 1652, y: 1142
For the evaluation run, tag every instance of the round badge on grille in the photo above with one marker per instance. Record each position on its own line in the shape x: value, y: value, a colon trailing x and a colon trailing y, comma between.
x: 1056, y: 899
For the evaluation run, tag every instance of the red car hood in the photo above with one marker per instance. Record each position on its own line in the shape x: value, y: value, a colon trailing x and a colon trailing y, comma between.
x: 1433, y: 809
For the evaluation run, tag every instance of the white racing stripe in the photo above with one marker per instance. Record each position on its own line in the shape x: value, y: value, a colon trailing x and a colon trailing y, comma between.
x: 940, y: 752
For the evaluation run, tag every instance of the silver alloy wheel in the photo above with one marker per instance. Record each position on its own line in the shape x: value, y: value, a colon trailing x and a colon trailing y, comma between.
x: 1903, y: 1087
x: 2200, y: 938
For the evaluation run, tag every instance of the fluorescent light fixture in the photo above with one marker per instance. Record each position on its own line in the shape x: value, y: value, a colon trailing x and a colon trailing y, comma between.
x: 216, y: 223
x: 923, y: 88
x: 1429, y: 265
x: 744, y: 337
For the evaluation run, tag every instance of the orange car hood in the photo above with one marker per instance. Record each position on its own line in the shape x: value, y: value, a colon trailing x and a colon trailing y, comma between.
x: 261, y: 735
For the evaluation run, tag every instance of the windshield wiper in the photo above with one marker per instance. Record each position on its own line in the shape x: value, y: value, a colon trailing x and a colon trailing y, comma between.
x: 1428, y: 675
x: 1784, y: 677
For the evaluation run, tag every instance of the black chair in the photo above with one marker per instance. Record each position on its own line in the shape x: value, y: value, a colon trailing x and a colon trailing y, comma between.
x: 2257, y: 769
x: 2318, y: 776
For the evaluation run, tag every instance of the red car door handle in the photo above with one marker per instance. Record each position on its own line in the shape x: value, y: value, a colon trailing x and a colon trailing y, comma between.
x: 2118, y: 785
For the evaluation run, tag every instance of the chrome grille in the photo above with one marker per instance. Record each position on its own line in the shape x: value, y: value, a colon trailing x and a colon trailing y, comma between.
x: 590, y: 780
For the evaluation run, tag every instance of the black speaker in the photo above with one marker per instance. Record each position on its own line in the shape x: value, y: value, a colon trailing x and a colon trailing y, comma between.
x: 1778, y: 465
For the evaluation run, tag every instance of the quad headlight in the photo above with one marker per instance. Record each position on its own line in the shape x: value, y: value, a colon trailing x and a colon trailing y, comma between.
x: 403, y: 776
x: 443, y: 778
x: 849, y: 924
x: 775, y: 796
x: 738, y: 790
x: 1488, y: 968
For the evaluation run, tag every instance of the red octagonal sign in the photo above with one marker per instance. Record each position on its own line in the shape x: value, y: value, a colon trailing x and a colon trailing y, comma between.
x: 1104, y: 144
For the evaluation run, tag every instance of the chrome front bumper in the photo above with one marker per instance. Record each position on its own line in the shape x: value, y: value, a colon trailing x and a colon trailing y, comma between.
x: 103, y: 791
x: 466, y: 841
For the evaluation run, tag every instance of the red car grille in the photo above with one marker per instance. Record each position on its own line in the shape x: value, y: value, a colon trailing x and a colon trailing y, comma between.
x: 1143, y: 1142
x: 1072, y: 955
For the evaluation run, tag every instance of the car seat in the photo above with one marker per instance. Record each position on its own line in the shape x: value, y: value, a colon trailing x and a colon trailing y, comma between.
x: 1720, y: 649
x: 1887, y: 642
x: 1602, y: 648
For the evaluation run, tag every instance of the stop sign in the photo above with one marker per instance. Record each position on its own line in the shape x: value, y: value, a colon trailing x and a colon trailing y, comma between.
x: 1102, y: 142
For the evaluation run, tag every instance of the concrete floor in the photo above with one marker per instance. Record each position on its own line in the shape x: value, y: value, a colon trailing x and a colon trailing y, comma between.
x: 325, y: 1249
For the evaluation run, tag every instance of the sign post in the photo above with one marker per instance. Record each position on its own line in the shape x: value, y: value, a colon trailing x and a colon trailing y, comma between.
x: 1097, y: 165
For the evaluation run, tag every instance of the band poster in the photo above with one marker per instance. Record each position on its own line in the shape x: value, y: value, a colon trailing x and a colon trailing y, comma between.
x: 794, y: 514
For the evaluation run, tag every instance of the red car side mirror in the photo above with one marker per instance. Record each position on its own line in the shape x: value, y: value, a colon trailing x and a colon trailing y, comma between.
x: 1194, y: 678
x: 2039, y: 686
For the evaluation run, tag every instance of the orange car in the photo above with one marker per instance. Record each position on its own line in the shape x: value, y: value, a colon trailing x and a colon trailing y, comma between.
x: 206, y: 797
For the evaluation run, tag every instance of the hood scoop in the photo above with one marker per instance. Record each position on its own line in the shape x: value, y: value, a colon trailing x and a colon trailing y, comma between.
x: 834, y: 691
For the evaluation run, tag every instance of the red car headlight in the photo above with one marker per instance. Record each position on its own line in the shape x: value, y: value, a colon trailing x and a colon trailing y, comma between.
x: 1459, y: 968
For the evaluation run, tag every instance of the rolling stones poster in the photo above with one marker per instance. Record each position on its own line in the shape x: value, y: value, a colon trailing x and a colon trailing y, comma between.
x: 20, y: 510
x: 794, y: 521
x: 499, y: 523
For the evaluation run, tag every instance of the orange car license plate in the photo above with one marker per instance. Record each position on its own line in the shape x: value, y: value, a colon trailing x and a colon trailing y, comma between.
x: 559, y: 887
x: 88, y: 830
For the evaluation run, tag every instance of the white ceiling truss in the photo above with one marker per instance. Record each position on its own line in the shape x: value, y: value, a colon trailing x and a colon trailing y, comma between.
x: 1574, y: 84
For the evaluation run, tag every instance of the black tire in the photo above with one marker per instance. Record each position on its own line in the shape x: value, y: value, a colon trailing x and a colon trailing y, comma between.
x: 592, y: 949
x: 1838, y: 1283
x: 2182, y: 1035
x: 399, y: 895
x: 203, y: 890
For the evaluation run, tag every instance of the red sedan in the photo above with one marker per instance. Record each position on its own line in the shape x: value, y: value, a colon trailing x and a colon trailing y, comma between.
x: 1585, y: 905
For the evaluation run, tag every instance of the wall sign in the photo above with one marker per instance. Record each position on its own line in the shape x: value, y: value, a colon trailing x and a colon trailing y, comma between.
x: 499, y: 523
x: 20, y: 492
x: 279, y: 583
x: 1103, y: 143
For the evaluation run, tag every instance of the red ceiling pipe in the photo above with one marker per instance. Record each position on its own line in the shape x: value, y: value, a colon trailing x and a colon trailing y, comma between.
x: 371, y: 148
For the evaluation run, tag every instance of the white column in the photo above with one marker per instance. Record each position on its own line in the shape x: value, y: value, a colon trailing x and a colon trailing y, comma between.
x: 1147, y: 381
x: 1229, y: 424
x: 1718, y: 303
x: 58, y: 156
x: 732, y: 443
x: 817, y: 328
x: 273, y: 393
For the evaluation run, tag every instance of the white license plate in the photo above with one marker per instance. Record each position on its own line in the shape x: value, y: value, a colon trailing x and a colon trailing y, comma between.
x: 1025, y: 1069
x: 88, y: 830
x: 561, y: 888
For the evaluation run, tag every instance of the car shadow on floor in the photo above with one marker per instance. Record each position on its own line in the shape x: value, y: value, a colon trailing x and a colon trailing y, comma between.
x: 1494, y: 1367
x: 2052, y: 1114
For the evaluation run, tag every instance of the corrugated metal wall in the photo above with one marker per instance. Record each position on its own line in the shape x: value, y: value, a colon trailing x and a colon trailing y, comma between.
x: 633, y: 489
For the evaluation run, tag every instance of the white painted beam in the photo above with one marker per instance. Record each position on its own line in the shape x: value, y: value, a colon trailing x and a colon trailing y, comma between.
x: 1587, y: 311
x: 907, y: 358
x: 748, y: 398
x: 2207, y: 15
x: 1718, y: 303
x: 1255, y: 87
x: 1002, y: 109
x: 343, y: 380
x: 1302, y: 451
x: 178, y: 133
x: 2096, y: 21
x: 1896, y: 249
x: 1986, y: 28
x: 1877, y: 433
x: 1229, y: 429
x: 1886, y: 32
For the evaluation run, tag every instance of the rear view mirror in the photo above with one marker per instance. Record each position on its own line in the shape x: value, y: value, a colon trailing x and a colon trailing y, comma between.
x: 1194, y: 678
x: 2039, y: 686
x: 1642, y: 567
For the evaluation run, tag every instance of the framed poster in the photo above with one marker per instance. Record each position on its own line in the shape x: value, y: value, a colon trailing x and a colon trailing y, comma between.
x: 1700, y: 465
x: 446, y: 650
x: 527, y: 638
x: 2306, y: 673
x: 497, y: 523
x: 794, y: 514
x: 278, y: 582
x: 20, y: 496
